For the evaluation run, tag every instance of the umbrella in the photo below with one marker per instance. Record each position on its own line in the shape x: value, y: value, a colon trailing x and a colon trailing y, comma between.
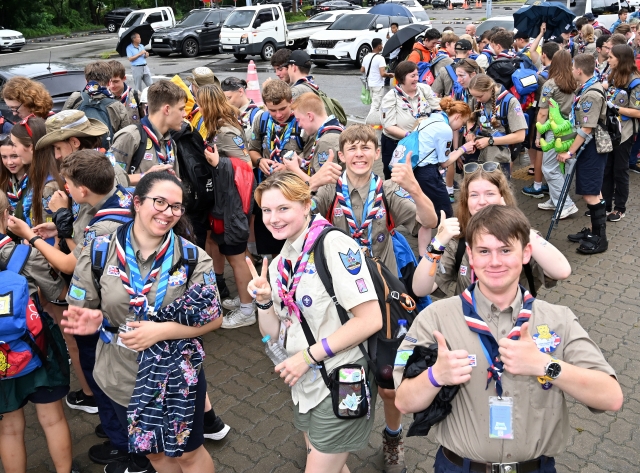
x: 145, y: 31
x: 408, y: 33
x: 391, y: 9
x: 556, y: 15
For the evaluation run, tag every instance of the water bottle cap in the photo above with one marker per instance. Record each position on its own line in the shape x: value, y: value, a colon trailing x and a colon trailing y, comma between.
x: 402, y: 322
x: 266, y: 338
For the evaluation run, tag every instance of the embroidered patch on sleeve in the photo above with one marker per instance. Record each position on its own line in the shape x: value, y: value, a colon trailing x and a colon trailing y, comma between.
x: 352, y: 261
x: 362, y: 285
x: 77, y: 293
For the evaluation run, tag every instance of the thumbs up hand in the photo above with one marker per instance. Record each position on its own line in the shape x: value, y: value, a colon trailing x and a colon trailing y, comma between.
x: 449, y: 228
x: 451, y: 367
x: 328, y: 173
x: 402, y: 174
x: 522, y: 357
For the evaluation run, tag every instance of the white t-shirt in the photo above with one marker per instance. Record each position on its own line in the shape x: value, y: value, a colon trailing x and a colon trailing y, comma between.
x: 375, y: 79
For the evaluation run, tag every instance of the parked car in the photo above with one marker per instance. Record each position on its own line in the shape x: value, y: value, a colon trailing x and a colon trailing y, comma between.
x: 333, y: 5
x: 59, y: 78
x: 197, y: 32
x: 332, y: 16
x: 11, y: 39
x: 505, y: 22
x: 286, y: 4
x: 445, y: 3
x: 114, y: 18
x: 161, y: 17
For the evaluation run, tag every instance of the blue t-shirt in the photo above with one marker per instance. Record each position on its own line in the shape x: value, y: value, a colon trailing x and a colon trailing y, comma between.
x: 435, y: 139
x: 132, y: 51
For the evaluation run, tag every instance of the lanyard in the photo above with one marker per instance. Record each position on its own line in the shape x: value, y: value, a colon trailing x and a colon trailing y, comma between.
x: 589, y: 83
x: 277, y: 143
x: 166, y: 158
x: 492, y: 113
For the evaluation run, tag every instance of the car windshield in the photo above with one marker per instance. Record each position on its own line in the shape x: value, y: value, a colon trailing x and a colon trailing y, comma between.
x: 239, y: 19
x: 321, y: 17
x: 353, y: 22
x: 194, y: 18
x: 63, y: 84
x: 133, y: 20
x: 420, y: 15
x: 487, y: 25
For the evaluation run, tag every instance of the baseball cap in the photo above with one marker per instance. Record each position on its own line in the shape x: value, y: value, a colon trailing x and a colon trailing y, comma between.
x: 589, y: 16
x: 300, y: 58
x: 521, y: 35
x: 463, y: 45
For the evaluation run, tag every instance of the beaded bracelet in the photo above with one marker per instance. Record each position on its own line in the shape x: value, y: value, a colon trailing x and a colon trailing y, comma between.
x: 266, y: 306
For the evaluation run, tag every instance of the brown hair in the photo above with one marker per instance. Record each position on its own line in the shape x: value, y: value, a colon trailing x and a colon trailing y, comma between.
x: 293, y: 188
x: 617, y: 39
x: 623, y: 29
x: 497, y: 178
x: 4, y: 202
x: 276, y: 91
x: 5, y: 174
x: 99, y: 71
x: 216, y: 109
x: 502, y: 38
x: 309, y: 102
x: 585, y: 62
x: 403, y: 69
x: 626, y: 69
x: 470, y: 66
x: 358, y: 133
x: 449, y: 37
x: 30, y: 94
x: 117, y: 69
x: 483, y: 83
x: 89, y: 168
x: 280, y: 57
x: 451, y: 107
x: 560, y: 72
x: 508, y: 224
x: 164, y: 92
x: 88, y: 142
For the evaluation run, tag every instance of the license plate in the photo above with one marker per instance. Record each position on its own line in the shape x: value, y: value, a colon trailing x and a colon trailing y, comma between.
x: 158, y: 40
x: 229, y: 48
x: 322, y: 51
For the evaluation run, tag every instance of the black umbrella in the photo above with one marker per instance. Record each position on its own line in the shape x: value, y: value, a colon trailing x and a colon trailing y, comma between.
x: 403, y: 35
x: 145, y: 31
x: 555, y: 14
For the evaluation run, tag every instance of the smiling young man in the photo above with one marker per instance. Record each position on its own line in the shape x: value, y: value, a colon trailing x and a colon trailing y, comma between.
x: 280, y: 64
x: 513, y: 357
x: 127, y: 96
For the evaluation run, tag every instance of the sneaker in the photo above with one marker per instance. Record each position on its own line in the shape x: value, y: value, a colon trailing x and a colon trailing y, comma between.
x: 236, y: 319
x: 80, y: 401
x: 592, y: 244
x: 231, y: 304
x: 100, y: 433
x: 545, y: 188
x: 129, y: 466
x: 105, y: 453
x: 532, y: 192
x: 216, y: 431
x: 456, y: 186
x: 393, y: 451
x: 548, y: 205
x: 587, y: 213
x: 568, y: 211
x: 635, y: 168
x: 615, y: 216
x: 452, y: 199
x: 581, y: 235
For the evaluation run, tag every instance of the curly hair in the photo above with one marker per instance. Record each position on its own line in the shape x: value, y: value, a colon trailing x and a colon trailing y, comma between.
x: 450, y: 106
x: 216, y: 109
x: 30, y: 94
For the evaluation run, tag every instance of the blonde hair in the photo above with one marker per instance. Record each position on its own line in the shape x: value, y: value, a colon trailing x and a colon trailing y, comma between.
x: 483, y: 83
x: 588, y: 33
x: 309, y: 102
x: 216, y: 109
x: 293, y: 188
x: 472, y: 40
x: 4, y: 202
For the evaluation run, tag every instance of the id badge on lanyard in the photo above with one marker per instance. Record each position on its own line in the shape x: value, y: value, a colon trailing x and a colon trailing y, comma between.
x: 501, y: 418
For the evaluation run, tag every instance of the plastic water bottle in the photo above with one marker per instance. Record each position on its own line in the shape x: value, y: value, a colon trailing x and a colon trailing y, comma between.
x: 274, y: 350
x: 111, y: 157
x: 402, y: 328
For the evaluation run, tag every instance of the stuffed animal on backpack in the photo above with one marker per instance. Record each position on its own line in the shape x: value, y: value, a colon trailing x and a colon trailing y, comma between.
x: 562, y: 130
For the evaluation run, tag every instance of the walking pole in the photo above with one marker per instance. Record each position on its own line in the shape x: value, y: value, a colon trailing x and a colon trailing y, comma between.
x: 565, y: 189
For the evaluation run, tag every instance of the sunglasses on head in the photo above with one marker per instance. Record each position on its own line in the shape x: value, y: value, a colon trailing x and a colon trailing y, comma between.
x: 470, y: 168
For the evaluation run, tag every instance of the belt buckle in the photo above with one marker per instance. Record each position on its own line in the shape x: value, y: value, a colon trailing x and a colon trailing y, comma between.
x: 504, y: 467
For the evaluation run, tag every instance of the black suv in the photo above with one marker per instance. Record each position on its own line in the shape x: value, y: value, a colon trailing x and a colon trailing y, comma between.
x: 114, y: 18
x: 198, y: 31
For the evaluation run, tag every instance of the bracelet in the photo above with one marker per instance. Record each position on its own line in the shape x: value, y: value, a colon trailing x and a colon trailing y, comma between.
x: 407, y: 134
x: 431, y: 378
x: 34, y: 239
x: 437, y: 245
x: 464, y: 149
x: 266, y: 306
x: 306, y: 358
x: 327, y: 349
x: 311, y: 356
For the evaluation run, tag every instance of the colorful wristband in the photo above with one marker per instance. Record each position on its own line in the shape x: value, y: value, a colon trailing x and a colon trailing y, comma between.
x: 437, y: 245
x: 431, y: 378
x: 327, y: 349
x: 464, y: 150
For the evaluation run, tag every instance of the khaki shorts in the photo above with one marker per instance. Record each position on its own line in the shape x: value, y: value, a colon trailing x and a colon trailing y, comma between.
x: 328, y: 434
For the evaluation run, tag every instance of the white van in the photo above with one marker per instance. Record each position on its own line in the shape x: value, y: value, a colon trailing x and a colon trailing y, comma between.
x: 161, y: 17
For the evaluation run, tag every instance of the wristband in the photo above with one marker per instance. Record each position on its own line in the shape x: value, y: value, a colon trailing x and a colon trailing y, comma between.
x: 407, y: 134
x: 431, y: 378
x: 266, y: 306
x: 34, y: 239
x: 437, y: 245
x: 306, y: 358
x: 464, y: 149
x: 327, y: 349
x: 311, y: 356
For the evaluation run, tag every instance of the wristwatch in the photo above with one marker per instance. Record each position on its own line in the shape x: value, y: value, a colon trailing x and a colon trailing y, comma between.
x: 491, y: 141
x: 551, y: 371
x: 432, y: 249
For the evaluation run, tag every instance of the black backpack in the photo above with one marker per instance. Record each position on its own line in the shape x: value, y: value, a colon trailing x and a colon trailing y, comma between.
x: 612, y: 123
x: 97, y: 109
x: 395, y: 304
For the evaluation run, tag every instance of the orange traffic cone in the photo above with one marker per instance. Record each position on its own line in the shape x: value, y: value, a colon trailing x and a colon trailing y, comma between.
x: 479, y: 4
x: 253, y: 84
x: 465, y: 5
x: 450, y: 5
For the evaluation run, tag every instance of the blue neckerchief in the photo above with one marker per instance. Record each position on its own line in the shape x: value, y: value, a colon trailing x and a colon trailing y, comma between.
x: 27, y: 203
x: 93, y: 88
x: 276, y: 149
x: 14, y: 195
x: 119, y: 200
x: 445, y: 116
x: 367, y: 209
x: 589, y: 83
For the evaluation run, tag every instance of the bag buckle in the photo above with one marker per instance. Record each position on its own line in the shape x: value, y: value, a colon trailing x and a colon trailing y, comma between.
x: 504, y: 467
x: 394, y: 295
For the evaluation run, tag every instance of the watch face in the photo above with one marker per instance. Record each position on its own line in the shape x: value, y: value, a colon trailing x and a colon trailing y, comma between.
x: 553, y: 370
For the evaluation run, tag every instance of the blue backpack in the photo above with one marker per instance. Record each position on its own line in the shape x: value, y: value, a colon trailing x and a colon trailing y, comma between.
x: 426, y: 73
x: 525, y: 78
x: 22, y: 337
x: 456, y: 89
x: 411, y: 142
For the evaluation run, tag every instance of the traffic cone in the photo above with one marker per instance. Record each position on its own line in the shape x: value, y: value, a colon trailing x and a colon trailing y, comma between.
x: 465, y: 5
x: 478, y: 3
x: 450, y: 5
x: 253, y: 84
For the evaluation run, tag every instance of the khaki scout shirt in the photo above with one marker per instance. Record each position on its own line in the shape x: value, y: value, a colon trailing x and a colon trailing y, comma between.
x: 402, y: 207
x: 231, y: 143
x: 247, y: 124
x: 116, y: 367
x: 259, y: 140
x: 591, y: 107
x: 125, y: 144
x: 540, y: 418
x: 438, y: 69
x: 355, y: 287
x: 551, y: 91
x: 50, y: 188
x: 627, y: 99
x: 328, y: 141
x: 132, y: 106
x: 396, y: 112
x: 443, y: 84
x: 118, y: 115
x: 37, y: 271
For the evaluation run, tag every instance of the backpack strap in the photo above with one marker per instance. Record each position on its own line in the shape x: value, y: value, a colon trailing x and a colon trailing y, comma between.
x: 504, y: 111
x: 370, y: 64
x: 18, y: 258
x: 99, y: 250
x: 452, y: 72
x: 462, y: 246
x: 390, y: 223
x: 189, y: 256
x: 528, y: 272
x: 252, y: 114
x: 139, y: 154
x: 264, y: 119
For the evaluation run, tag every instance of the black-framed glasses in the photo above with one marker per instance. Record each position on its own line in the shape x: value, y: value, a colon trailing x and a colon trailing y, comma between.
x: 15, y: 109
x: 161, y: 205
x: 489, y: 166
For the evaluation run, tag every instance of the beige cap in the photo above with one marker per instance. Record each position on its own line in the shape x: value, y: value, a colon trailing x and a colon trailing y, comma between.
x: 69, y: 123
x: 202, y: 76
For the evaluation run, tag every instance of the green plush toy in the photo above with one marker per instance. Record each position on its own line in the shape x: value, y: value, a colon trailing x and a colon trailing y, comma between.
x: 561, y: 127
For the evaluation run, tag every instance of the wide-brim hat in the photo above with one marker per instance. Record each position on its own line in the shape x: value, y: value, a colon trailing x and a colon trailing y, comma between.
x: 69, y: 123
x: 203, y: 76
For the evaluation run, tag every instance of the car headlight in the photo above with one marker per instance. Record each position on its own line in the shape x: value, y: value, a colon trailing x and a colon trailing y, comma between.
x: 244, y: 39
x: 351, y: 40
x: 5, y: 38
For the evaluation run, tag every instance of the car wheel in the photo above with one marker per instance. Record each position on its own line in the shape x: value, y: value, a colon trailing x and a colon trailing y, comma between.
x: 111, y: 27
x: 163, y: 54
x: 15, y: 50
x: 268, y: 50
x: 362, y: 52
x: 190, y: 48
x: 240, y: 57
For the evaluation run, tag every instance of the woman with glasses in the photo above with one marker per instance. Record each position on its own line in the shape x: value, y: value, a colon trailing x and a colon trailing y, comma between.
x: 236, y: 92
x: 445, y: 266
x: 25, y: 97
x: 155, y: 267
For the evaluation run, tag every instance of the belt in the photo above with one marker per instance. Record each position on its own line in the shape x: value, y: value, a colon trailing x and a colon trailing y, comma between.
x: 517, y: 467
x: 138, y: 65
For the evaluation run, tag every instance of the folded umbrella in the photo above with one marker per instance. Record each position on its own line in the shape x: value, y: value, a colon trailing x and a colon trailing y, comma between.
x: 408, y: 33
x: 145, y: 31
x: 556, y: 15
x: 391, y: 9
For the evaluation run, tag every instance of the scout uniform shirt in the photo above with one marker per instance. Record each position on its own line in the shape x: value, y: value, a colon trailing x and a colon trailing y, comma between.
x: 302, y: 86
x: 402, y: 208
x: 125, y: 144
x: 116, y: 367
x: 443, y: 59
x: 444, y: 83
x: 625, y: 98
x: 591, y: 106
x: 259, y: 141
x: 551, y: 91
x: 50, y: 188
x: 403, y: 111
x: 245, y: 118
x: 346, y: 264
x: 316, y: 149
x: 540, y: 418
x: 130, y: 99
x: 231, y: 143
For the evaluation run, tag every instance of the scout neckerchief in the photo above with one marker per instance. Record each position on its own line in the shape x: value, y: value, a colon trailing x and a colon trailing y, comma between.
x: 487, y: 340
x: 119, y: 203
x: 422, y: 104
x: 277, y: 141
x: 288, y: 281
x: 505, y: 54
x: 93, y: 88
x: 369, y: 210
x: 14, y: 193
x: 332, y: 124
x: 125, y: 94
x: 164, y: 158
x: 308, y: 81
x: 589, y: 83
x: 487, y: 115
x: 134, y: 284
x: 246, y: 115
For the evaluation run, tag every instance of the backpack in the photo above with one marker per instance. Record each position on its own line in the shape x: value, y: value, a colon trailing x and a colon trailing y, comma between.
x: 488, y: 55
x: 23, y: 341
x: 611, y: 124
x: 518, y: 72
x: 426, y: 70
x: 97, y: 109
x: 395, y: 304
x: 456, y: 89
x: 331, y: 105
x: 603, y: 29
x: 411, y: 142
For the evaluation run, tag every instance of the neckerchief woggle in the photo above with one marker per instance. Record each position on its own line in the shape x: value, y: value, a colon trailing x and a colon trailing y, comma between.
x: 136, y: 286
x: 164, y: 158
x: 405, y: 98
x: 589, y: 83
x: 332, y: 123
x: 245, y: 116
x: 14, y: 193
x: 369, y: 210
x: 114, y: 205
x: 492, y: 113
x: 277, y: 142
x: 288, y: 284
x: 93, y: 88
x: 487, y: 340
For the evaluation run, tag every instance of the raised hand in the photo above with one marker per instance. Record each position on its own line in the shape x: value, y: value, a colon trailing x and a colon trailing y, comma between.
x: 259, y: 287
x: 328, y: 173
x: 451, y: 367
x: 449, y: 228
x: 522, y: 357
x: 402, y: 174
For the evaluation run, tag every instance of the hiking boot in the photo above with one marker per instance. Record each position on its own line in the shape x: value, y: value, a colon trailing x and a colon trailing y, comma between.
x: 100, y: 433
x: 129, y: 466
x: 393, y: 451
x: 568, y: 211
x: 105, y: 453
x: 581, y: 235
x: 80, y: 401
x: 216, y: 431
x: 615, y: 216
x: 548, y: 205
x: 236, y: 319
x: 231, y: 304
x: 593, y: 244
x: 635, y: 168
x: 532, y: 192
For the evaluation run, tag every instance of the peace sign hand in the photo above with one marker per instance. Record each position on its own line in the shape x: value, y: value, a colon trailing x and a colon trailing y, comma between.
x: 259, y: 287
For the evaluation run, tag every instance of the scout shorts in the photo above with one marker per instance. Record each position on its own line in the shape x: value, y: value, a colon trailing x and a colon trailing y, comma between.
x: 590, y: 170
